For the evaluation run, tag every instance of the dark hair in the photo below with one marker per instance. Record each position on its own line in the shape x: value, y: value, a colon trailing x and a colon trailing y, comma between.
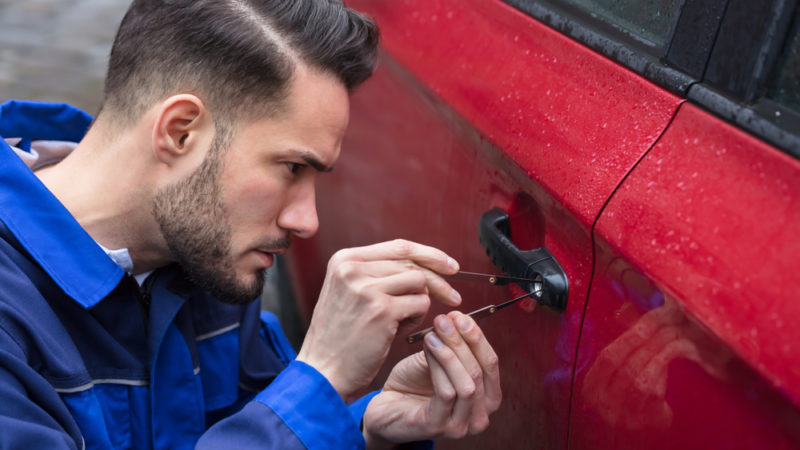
x: 237, y: 55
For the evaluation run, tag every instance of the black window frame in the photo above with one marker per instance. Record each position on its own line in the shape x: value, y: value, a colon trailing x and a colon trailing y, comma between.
x: 735, y: 89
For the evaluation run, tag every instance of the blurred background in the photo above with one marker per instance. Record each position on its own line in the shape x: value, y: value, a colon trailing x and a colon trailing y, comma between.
x: 57, y: 50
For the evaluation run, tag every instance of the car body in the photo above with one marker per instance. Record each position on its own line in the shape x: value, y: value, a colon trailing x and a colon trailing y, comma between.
x: 652, y: 148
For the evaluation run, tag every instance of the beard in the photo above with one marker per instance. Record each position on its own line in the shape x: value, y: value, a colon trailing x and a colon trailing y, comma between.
x: 192, y: 219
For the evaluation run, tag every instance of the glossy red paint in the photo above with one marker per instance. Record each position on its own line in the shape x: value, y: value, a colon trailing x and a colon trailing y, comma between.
x: 573, y: 121
x: 476, y: 106
x: 689, y: 340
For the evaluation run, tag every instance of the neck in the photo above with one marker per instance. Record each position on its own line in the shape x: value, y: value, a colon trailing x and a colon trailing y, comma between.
x: 107, y: 184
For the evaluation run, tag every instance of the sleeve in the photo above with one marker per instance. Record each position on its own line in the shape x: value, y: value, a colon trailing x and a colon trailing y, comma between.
x: 359, y: 407
x: 32, y: 415
x: 300, y: 409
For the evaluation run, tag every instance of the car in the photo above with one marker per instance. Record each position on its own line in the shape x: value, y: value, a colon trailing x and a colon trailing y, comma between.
x: 650, y: 148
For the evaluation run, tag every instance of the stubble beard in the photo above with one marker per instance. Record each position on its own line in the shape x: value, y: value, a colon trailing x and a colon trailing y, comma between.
x: 191, y: 216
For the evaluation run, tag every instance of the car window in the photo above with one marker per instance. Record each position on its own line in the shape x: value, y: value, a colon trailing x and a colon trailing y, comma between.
x: 648, y: 19
x: 785, y: 88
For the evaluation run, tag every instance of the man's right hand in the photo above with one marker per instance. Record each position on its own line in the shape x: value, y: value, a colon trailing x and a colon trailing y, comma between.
x: 371, y: 294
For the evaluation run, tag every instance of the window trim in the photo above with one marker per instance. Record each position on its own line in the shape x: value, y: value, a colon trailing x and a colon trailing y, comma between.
x: 736, y: 92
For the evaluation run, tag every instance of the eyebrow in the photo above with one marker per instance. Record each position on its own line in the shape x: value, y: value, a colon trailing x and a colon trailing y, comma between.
x: 312, y: 160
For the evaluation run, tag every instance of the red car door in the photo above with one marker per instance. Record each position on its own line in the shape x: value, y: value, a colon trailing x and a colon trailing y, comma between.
x: 689, y: 339
x: 476, y: 106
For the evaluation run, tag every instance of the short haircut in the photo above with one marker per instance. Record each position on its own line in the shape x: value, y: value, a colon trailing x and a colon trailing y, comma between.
x: 236, y: 55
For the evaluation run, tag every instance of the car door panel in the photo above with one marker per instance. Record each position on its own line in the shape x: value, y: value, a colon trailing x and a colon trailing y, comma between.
x: 688, y: 339
x: 474, y: 106
x: 434, y: 191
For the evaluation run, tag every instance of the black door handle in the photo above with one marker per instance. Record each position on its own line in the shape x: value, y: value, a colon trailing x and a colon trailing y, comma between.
x: 539, y: 264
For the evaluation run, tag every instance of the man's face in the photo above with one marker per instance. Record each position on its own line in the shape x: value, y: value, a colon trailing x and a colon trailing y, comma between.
x: 226, y: 221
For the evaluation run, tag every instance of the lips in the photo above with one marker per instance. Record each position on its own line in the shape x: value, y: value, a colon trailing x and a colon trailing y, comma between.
x: 270, y: 249
x: 267, y: 258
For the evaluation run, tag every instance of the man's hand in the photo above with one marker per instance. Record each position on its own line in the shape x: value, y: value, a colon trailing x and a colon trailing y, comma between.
x: 369, y: 295
x: 447, y: 391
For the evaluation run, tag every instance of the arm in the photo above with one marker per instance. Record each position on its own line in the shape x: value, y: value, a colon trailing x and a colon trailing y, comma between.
x: 371, y: 294
x: 32, y: 415
x: 298, y: 410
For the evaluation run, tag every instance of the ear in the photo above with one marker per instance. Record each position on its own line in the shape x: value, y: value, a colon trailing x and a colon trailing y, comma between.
x: 182, y: 130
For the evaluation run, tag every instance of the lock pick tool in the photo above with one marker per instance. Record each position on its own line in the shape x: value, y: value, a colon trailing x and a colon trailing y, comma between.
x: 495, y: 280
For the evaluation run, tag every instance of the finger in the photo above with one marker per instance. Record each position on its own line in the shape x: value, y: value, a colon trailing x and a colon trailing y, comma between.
x: 400, y: 249
x: 402, y: 283
x: 485, y: 355
x: 445, y: 328
x: 437, y: 287
x: 479, y: 418
x: 462, y: 369
x: 441, y: 405
x: 409, y: 311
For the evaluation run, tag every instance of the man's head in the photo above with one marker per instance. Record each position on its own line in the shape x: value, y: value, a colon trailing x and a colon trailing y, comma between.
x: 237, y: 55
x: 272, y: 78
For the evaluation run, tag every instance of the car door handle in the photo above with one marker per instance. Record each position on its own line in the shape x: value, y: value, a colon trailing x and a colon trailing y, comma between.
x: 538, y: 265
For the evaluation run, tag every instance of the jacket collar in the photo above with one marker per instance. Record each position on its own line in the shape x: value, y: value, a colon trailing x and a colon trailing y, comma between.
x: 41, y: 224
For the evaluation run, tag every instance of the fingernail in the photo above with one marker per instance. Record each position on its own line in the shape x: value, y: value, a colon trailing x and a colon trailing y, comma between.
x: 452, y: 263
x: 433, y: 340
x: 456, y: 296
x: 445, y: 324
x: 463, y: 323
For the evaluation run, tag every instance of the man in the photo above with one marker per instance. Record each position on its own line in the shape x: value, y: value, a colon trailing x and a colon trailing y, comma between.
x: 129, y: 267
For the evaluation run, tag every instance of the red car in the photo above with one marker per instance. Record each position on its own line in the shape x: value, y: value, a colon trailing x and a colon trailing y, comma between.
x: 651, y: 148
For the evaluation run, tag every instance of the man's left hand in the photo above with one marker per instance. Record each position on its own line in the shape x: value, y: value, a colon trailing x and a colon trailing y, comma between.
x: 448, y: 390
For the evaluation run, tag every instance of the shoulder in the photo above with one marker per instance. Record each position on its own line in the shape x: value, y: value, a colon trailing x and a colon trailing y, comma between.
x: 26, y: 315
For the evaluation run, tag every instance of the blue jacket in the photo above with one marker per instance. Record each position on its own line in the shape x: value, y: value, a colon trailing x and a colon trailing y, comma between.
x: 89, y: 359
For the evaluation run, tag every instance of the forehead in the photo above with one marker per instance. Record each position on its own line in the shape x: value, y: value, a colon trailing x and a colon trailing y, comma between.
x: 314, y: 117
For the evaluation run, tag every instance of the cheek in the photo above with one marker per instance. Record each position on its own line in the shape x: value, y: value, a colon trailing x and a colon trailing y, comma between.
x: 254, y: 200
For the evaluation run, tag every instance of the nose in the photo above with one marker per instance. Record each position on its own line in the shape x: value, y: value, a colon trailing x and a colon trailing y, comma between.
x: 299, y: 215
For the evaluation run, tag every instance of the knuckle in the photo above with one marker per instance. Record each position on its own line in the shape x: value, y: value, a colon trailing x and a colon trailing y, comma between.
x: 426, y: 301
x: 346, y: 270
x: 418, y: 279
x: 458, y: 431
x: 468, y: 391
x: 447, y: 394
x: 445, y: 356
x: 402, y: 247
x: 338, y: 258
x: 493, y: 363
x: 375, y: 309
x: 480, y: 425
x: 493, y: 405
x: 360, y: 290
x: 476, y: 373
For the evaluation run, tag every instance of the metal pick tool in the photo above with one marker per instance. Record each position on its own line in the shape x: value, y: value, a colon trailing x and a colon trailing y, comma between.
x: 497, y: 280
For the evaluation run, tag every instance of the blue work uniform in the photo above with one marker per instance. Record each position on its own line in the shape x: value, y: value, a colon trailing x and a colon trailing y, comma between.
x: 91, y: 359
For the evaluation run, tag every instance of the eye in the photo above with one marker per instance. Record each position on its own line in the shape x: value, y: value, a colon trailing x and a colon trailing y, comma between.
x: 294, y: 167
